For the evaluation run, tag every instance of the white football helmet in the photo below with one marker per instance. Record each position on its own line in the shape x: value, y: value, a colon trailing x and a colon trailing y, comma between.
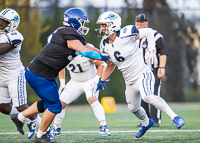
x: 113, y: 22
x: 11, y: 17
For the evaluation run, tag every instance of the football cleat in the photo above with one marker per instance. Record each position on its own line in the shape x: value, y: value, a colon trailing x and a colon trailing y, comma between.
x: 18, y: 123
x: 179, y: 121
x: 143, y: 129
x: 56, y: 131
x: 50, y: 133
x: 104, y: 131
x: 44, y: 139
x: 32, y: 127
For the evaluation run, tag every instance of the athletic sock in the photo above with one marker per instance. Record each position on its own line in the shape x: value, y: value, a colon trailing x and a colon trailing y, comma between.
x: 98, y: 111
x: 13, y: 110
x: 40, y: 133
x: 21, y: 117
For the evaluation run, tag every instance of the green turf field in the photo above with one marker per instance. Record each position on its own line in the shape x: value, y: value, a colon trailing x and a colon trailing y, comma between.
x: 80, y: 126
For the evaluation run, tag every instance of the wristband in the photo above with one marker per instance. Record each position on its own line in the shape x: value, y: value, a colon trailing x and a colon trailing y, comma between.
x: 162, y: 67
x: 96, y: 78
x: 104, y: 57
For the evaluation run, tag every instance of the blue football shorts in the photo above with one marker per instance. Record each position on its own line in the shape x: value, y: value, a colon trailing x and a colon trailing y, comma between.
x: 47, y: 90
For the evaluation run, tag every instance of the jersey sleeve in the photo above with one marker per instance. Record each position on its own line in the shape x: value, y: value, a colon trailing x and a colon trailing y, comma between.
x: 15, y: 38
x: 161, y: 46
x: 129, y: 31
x: 72, y: 34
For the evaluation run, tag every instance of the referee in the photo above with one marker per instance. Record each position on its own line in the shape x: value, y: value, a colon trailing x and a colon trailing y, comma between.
x: 158, y: 69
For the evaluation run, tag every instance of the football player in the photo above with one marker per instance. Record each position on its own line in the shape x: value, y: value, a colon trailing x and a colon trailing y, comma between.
x: 43, y: 70
x: 120, y: 44
x: 83, y: 75
x: 12, y: 77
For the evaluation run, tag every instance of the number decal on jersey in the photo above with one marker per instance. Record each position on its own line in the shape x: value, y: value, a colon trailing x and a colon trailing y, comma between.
x: 118, y: 57
x: 14, y: 33
x: 74, y: 67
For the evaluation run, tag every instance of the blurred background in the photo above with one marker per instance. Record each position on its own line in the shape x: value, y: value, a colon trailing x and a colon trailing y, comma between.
x: 177, y: 20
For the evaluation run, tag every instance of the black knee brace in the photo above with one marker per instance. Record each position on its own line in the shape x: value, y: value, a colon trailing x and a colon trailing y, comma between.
x: 40, y: 106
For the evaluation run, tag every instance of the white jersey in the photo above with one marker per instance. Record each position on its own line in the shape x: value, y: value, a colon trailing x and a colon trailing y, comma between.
x: 124, y: 52
x: 81, y: 69
x: 10, y: 62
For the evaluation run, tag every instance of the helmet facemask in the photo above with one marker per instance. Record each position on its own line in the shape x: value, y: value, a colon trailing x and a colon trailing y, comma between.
x: 113, y: 22
x: 82, y: 30
x: 105, y: 33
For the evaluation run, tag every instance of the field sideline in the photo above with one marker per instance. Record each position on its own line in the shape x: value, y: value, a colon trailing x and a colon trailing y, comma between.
x: 80, y: 126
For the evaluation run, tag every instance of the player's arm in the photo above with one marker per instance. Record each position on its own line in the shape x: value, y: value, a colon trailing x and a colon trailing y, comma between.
x: 162, y: 63
x: 101, y: 67
x: 101, y: 84
x: 62, y: 80
x: 150, y: 56
x: 109, y: 70
x: 92, y: 48
x: 5, y: 48
x: 149, y: 34
x: 82, y: 50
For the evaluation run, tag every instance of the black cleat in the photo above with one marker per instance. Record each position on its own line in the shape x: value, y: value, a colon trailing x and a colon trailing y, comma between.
x: 18, y: 123
x: 44, y: 139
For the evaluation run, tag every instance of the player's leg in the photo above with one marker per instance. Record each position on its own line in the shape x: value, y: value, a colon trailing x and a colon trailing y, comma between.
x: 70, y: 93
x: 145, y: 106
x: 146, y: 86
x: 133, y: 100
x: 5, y: 102
x: 18, y: 94
x: 47, y: 90
x: 92, y: 98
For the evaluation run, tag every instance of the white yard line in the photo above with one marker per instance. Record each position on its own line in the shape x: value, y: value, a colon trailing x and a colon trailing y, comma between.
x: 132, y: 131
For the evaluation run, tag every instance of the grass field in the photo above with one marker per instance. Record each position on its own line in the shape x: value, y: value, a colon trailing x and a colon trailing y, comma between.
x: 80, y: 126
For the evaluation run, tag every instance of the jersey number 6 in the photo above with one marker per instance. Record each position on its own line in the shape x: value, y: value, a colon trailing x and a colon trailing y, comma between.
x: 118, y: 57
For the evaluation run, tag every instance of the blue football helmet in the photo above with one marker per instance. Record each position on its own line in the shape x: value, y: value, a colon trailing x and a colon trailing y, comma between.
x: 76, y: 18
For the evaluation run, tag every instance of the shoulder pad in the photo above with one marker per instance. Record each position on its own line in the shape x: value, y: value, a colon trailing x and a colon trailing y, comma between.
x: 129, y: 31
x: 15, y: 35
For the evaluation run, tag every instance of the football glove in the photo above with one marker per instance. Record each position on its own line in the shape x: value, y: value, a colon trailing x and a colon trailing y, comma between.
x: 150, y: 57
x: 101, y: 84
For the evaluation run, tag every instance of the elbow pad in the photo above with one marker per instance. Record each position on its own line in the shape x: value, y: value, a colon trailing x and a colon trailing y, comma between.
x: 90, y: 54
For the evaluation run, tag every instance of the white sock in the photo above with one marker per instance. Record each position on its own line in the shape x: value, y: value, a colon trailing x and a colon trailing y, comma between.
x: 28, y: 121
x: 103, y: 123
x: 59, y: 118
x: 98, y: 111
x: 160, y: 104
x: 38, y: 120
x: 21, y: 117
x: 13, y: 110
x: 40, y: 133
